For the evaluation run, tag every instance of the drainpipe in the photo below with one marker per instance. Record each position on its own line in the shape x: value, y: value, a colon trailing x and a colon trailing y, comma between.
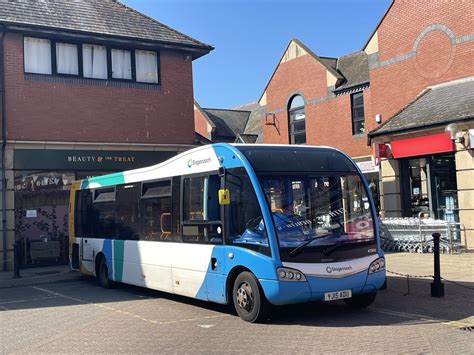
x: 4, y: 143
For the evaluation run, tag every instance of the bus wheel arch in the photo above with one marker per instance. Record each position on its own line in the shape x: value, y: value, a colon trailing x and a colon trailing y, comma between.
x: 102, y: 272
x: 230, y: 282
x: 248, y: 297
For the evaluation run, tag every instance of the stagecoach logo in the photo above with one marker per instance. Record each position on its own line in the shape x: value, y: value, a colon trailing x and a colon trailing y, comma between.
x: 192, y: 162
x: 331, y: 269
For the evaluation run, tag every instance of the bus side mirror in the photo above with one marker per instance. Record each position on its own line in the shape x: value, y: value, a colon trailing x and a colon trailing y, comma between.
x: 224, y: 197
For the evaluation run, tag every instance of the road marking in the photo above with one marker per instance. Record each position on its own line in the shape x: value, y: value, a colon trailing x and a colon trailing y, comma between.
x: 415, y: 316
x: 205, y: 326
x: 27, y: 300
x: 118, y: 311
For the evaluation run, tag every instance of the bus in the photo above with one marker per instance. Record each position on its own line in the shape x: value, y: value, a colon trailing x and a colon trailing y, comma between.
x: 246, y: 225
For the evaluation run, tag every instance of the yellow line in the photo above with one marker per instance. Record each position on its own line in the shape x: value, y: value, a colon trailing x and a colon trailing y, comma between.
x: 118, y: 311
x: 415, y: 316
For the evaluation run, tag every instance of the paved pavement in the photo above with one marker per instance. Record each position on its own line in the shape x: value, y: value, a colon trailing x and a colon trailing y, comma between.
x: 456, y: 267
x: 76, y: 316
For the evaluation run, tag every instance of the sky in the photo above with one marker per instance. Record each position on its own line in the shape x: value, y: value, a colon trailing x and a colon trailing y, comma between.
x: 250, y: 36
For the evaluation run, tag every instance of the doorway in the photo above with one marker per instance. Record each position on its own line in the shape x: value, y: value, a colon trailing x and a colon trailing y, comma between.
x: 429, y: 187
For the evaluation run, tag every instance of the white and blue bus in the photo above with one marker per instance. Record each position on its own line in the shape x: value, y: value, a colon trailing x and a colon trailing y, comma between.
x: 246, y: 225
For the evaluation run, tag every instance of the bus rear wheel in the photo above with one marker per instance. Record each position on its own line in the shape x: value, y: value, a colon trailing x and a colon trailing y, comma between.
x: 103, y: 274
x: 361, y: 301
x: 249, y: 300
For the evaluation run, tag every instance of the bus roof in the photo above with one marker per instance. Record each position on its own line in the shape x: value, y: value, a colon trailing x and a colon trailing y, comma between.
x: 213, y: 156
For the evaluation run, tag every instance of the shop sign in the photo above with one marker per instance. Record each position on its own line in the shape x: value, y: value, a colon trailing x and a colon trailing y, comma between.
x: 43, y: 159
x: 368, y: 166
x: 425, y: 145
x: 31, y: 214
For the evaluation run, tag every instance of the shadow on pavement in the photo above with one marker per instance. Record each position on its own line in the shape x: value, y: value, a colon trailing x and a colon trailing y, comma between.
x: 393, y: 306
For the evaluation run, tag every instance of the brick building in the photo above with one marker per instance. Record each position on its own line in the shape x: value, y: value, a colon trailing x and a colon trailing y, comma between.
x: 87, y: 88
x: 412, y: 79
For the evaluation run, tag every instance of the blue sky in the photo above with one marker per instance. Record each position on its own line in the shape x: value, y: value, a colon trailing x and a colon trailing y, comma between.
x: 250, y: 36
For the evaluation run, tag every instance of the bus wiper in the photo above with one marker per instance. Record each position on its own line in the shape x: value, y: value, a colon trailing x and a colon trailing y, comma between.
x: 332, y: 248
x: 300, y: 247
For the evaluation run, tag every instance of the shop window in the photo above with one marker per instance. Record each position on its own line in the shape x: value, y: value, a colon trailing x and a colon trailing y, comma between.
x: 41, y: 215
x: 297, y: 125
x: 67, y: 59
x: 94, y: 59
x: 37, y: 54
x: 358, y: 120
x: 146, y: 66
x: 121, y: 64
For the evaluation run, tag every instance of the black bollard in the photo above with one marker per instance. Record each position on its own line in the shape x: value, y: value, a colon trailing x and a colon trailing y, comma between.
x: 16, y: 259
x: 437, y: 287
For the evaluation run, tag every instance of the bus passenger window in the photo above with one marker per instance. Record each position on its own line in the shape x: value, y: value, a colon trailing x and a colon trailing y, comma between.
x: 201, y: 210
x: 155, y: 211
x: 83, y: 213
x: 246, y: 227
x: 126, y: 210
x: 103, y: 211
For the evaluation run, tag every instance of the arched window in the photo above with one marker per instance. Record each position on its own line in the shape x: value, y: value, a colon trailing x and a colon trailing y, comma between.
x: 296, y: 116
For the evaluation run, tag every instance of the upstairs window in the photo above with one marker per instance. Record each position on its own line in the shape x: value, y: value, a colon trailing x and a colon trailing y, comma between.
x: 358, y: 120
x: 94, y: 59
x: 37, y: 55
x: 146, y: 66
x: 66, y: 59
x: 297, y: 124
x: 121, y: 64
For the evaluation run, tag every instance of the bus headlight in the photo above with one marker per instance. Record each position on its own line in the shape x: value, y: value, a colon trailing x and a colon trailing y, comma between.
x: 287, y: 274
x: 377, y: 265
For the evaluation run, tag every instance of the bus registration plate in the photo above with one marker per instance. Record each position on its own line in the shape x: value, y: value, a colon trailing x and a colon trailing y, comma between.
x: 338, y: 295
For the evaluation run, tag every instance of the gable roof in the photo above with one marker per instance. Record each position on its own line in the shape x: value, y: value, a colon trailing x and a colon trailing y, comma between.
x: 228, y: 123
x: 355, y: 70
x: 254, y: 123
x: 106, y: 17
x: 436, y: 105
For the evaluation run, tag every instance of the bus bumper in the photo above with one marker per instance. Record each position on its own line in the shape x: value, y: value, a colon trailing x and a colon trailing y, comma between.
x: 287, y: 292
x: 359, y: 283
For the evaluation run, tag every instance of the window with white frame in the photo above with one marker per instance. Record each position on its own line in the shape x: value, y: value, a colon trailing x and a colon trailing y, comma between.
x: 66, y: 59
x: 94, y: 61
x: 146, y: 66
x: 121, y: 64
x: 37, y: 55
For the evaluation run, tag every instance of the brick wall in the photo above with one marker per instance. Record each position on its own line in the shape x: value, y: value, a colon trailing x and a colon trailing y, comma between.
x: 328, y: 122
x: 421, y: 43
x: 434, y: 36
x: 77, y: 110
x: 200, y: 123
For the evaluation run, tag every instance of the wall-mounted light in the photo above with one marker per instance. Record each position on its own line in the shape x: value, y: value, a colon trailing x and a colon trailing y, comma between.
x: 378, y: 118
x: 455, y: 133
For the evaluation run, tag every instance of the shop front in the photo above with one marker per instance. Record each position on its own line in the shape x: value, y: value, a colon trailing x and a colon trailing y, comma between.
x: 42, y: 180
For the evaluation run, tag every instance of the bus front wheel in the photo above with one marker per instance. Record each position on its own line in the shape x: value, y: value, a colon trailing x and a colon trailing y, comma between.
x: 361, y: 301
x: 103, y: 274
x: 249, y: 300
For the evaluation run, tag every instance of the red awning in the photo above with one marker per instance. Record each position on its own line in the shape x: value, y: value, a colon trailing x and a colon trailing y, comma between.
x: 432, y: 144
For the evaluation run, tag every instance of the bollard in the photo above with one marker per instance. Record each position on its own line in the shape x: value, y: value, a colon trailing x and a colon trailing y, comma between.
x: 16, y: 259
x: 437, y: 287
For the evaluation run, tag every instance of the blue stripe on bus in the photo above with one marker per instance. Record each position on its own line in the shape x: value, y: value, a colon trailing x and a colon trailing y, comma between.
x: 260, y: 197
x: 107, y: 251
